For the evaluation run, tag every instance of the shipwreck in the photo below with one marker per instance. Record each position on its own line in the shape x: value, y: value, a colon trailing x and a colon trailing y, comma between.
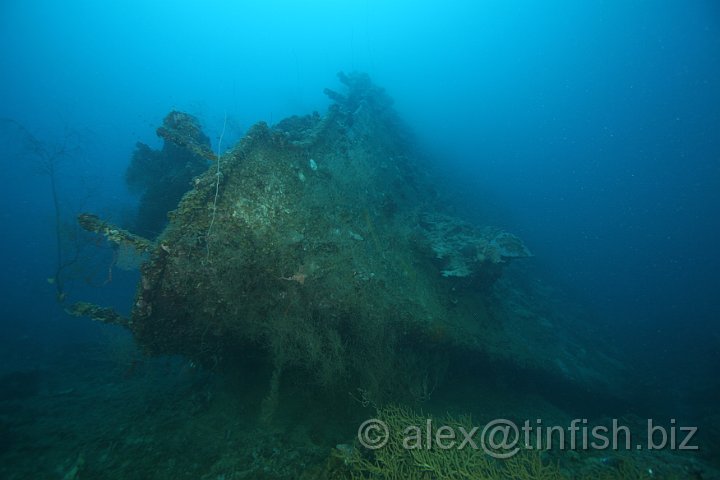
x: 319, y: 248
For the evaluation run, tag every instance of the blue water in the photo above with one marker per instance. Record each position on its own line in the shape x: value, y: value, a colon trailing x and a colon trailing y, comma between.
x: 589, y: 129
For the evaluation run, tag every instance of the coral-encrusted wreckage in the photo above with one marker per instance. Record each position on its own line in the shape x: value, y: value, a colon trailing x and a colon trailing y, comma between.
x: 327, y: 256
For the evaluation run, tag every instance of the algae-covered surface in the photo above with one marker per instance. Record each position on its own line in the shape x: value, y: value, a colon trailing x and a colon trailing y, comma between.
x: 309, y: 278
x: 321, y: 246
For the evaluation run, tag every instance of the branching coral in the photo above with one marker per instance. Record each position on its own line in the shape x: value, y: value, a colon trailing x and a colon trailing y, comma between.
x: 396, y: 461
